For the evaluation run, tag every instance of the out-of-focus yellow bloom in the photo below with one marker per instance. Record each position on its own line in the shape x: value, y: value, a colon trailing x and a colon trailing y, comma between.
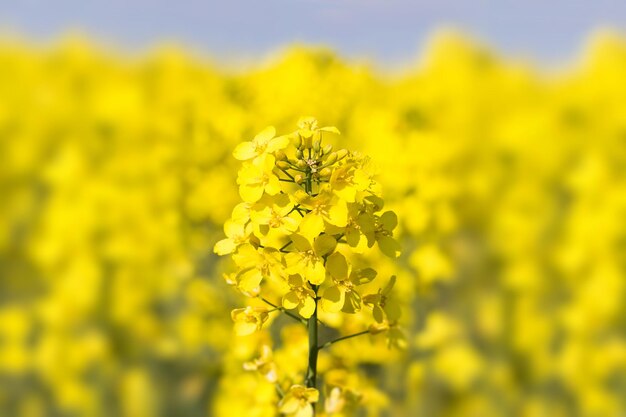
x: 298, y: 402
x: 264, y: 364
x: 249, y: 319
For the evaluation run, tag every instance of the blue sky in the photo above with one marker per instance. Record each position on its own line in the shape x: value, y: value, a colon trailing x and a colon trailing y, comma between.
x: 385, y: 30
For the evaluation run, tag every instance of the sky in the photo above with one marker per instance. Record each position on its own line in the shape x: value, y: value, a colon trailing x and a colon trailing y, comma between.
x: 392, y: 31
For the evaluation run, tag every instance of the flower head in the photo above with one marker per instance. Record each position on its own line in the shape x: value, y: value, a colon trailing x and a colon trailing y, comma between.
x: 298, y: 402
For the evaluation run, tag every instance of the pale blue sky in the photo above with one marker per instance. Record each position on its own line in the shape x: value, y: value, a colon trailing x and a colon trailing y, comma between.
x: 388, y: 30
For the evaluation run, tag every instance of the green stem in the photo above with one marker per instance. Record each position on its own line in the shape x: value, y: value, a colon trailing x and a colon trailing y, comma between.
x: 339, y: 339
x: 282, y: 309
x: 311, y: 374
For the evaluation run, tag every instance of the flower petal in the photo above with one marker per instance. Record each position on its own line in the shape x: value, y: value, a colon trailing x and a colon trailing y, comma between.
x: 333, y: 299
x: 245, y: 151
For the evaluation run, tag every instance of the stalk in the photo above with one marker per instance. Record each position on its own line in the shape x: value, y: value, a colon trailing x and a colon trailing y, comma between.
x: 311, y: 374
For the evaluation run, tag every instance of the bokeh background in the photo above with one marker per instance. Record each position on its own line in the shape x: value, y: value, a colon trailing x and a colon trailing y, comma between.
x: 501, y: 144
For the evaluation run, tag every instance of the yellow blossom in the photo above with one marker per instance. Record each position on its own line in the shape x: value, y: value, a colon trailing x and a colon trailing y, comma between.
x: 298, y: 402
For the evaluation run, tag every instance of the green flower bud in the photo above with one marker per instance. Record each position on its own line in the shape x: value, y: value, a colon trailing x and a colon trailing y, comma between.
x: 301, y: 164
x: 327, y: 149
x: 280, y: 156
x: 317, y: 144
x: 325, y: 172
x: 331, y: 159
x: 342, y: 153
x: 282, y: 164
x: 298, y: 141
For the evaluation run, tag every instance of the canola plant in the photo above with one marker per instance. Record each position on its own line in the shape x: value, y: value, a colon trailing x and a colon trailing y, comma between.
x: 117, y: 177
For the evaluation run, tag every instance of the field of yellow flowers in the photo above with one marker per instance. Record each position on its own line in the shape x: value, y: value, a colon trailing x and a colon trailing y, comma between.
x: 117, y: 176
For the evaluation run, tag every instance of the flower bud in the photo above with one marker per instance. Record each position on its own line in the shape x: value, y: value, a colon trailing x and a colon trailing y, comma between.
x: 298, y: 178
x: 317, y: 144
x: 299, y: 153
x: 280, y: 156
x: 298, y: 141
x: 327, y: 149
x: 331, y: 159
x: 282, y: 164
x: 301, y: 164
x: 325, y: 172
x: 342, y: 153
x: 308, y: 142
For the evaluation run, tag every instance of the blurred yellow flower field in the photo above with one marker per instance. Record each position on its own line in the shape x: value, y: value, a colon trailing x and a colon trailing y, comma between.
x: 117, y: 180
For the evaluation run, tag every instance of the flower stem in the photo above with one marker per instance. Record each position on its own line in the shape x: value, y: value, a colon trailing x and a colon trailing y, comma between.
x: 311, y: 374
x: 339, y: 339
x: 282, y: 309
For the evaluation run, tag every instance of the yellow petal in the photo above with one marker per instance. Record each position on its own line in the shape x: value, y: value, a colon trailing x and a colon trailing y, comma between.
x: 265, y: 135
x: 330, y: 129
x: 378, y: 313
x: 278, y: 143
x: 289, y: 405
x: 392, y: 310
x: 291, y: 300
x: 224, y: 247
x: 352, y: 236
x: 347, y: 193
x: 250, y: 193
x: 316, y: 274
x: 243, y: 328
x: 300, y: 242
x: 304, y: 411
x: 333, y: 299
x: 389, y: 220
x: 273, y: 185
x: 389, y: 286
x: 338, y: 214
x: 352, y: 303
x: 311, y: 226
x: 250, y: 280
x: 362, y: 276
x: 312, y: 395
x: 337, y: 266
x: 324, y: 244
x: 389, y: 246
x: 261, y: 215
x: 245, y: 151
x: 307, y: 308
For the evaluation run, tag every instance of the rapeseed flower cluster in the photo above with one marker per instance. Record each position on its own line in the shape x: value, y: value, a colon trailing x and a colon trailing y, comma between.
x: 305, y: 210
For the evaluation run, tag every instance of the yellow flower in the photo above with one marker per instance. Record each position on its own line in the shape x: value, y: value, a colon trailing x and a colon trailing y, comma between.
x: 272, y: 215
x: 347, y: 180
x: 382, y: 232
x: 249, y: 319
x: 323, y: 207
x: 298, y: 402
x: 236, y: 235
x: 256, y: 177
x: 342, y: 295
x: 308, y: 126
x: 382, y: 307
x: 264, y: 364
x: 300, y: 296
x: 263, y: 143
x: 254, y: 265
x: 308, y: 259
